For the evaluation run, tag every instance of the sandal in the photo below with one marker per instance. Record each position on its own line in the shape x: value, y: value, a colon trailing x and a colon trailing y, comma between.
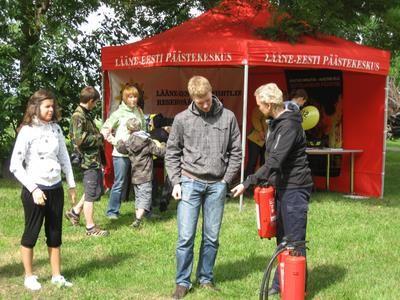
x: 137, y: 223
x: 96, y: 231
x: 72, y: 217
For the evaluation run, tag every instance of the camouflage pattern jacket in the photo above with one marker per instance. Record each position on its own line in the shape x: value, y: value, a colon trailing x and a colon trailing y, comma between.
x: 86, y: 138
x: 140, y: 149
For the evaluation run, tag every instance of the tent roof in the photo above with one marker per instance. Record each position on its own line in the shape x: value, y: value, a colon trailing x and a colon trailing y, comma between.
x: 225, y: 36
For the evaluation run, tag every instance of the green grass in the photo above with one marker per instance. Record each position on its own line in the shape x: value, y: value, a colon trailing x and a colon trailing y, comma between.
x: 354, y: 251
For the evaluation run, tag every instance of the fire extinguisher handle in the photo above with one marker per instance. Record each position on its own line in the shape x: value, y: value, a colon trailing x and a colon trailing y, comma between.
x: 264, y: 184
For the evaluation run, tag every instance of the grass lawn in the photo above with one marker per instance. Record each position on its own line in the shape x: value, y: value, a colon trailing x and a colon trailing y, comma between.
x: 354, y: 250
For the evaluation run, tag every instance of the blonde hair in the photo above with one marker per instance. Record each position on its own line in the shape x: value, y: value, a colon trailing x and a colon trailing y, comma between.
x: 269, y: 93
x: 199, y: 87
x: 133, y: 125
x: 129, y: 89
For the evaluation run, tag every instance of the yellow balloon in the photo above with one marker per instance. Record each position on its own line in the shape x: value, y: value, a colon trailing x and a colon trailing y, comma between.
x: 310, y: 116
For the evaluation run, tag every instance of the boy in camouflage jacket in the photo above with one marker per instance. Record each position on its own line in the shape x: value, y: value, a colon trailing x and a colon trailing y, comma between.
x: 87, y: 141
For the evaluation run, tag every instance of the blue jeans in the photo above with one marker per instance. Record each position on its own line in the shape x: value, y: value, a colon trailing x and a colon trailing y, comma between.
x: 121, y: 167
x: 211, y: 198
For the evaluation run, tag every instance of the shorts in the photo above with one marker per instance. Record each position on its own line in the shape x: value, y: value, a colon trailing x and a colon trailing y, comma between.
x: 93, y: 184
x: 51, y: 214
x: 143, y: 195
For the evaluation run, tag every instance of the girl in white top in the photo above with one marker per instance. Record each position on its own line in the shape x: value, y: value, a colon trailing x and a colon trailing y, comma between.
x: 38, y: 157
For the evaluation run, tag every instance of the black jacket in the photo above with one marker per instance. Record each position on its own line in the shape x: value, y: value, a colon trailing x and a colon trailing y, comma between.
x: 286, y: 162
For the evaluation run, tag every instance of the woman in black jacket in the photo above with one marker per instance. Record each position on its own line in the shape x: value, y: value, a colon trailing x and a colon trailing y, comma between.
x: 286, y: 168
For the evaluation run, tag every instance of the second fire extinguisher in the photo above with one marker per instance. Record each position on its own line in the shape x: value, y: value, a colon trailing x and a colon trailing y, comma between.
x: 292, y: 271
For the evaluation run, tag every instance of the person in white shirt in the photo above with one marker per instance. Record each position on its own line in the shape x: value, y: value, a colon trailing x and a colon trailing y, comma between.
x: 38, y: 157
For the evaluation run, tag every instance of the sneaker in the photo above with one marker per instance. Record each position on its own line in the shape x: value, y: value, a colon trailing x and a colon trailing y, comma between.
x: 31, y: 283
x: 72, y: 217
x: 96, y: 231
x: 137, y: 223
x: 112, y: 217
x: 152, y: 216
x: 180, y: 292
x: 209, y: 286
x: 60, y: 281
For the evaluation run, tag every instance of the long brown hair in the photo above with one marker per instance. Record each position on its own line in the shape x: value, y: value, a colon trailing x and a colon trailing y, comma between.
x: 33, y: 107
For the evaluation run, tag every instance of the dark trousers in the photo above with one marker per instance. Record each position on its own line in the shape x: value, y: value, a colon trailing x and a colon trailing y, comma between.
x: 51, y: 213
x: 291, y: 210
x: 166, y: 194
x: 255, y: 152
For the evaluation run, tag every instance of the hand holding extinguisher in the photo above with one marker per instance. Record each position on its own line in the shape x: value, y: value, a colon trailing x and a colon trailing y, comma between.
x: 292, y: 271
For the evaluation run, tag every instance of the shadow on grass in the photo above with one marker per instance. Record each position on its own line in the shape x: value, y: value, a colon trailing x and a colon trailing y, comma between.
x: 127, y: 219
x: 104, y: 263
x: 230, y: 271
x: 16, y: 269
x: 321, y: 277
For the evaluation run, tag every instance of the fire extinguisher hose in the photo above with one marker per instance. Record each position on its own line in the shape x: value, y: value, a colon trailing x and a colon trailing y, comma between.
x: 267, y: 274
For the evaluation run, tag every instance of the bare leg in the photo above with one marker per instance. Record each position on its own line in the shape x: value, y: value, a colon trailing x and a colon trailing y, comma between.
x: 88, y: 211
x: 78, y: 207
x: 55, y: 260
x: 27, y: 258
x: 139, y: 213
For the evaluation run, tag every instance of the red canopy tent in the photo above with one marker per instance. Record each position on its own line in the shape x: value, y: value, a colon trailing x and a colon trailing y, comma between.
x: 225, y: 37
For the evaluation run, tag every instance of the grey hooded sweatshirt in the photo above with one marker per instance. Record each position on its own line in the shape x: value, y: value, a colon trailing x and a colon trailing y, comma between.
x: 205, y: 146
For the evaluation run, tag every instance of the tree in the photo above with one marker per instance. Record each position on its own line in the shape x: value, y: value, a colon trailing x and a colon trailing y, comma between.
x: 370, y: 22
x: 42, y: 45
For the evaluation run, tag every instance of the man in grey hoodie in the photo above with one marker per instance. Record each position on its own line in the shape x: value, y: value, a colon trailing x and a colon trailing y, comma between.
x: 203, y: 156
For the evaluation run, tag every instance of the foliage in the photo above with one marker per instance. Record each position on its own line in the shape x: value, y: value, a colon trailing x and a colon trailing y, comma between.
x: 373, y: 22
x: 42, y: 45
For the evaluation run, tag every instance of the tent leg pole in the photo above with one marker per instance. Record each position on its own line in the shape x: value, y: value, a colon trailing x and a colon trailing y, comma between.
x: 244, y: 124
x: 384, y: 135
x: 103, y: 92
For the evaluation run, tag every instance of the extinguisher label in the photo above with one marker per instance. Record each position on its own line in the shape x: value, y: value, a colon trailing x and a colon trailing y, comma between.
x: 272, y: 208
x: 258, y: 216
x: 282, y: 275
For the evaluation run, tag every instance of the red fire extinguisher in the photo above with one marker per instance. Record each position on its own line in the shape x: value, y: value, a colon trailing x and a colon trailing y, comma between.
x: 292, y: 271
x: 265, y: 211
x: 292, y: 275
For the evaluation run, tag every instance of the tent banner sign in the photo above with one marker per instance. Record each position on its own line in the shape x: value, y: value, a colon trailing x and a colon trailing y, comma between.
x: 327, y: 61
x: 173, y: 57
x: 165, y: 91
